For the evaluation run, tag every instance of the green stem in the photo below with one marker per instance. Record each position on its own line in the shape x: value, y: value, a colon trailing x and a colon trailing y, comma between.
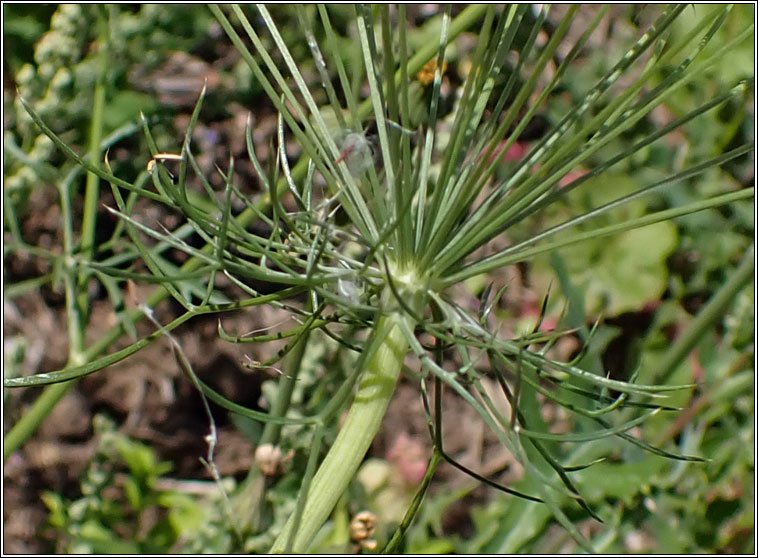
x: 706, y: 318
x: 31, y: 420
x: 355, y: 437
x: 410, y: 514
x: 92, y: 188
x: 52, y: 394
x: 77, y: 300
x: 272, y: 430
x: 249, y: 499
x: 25, y: 427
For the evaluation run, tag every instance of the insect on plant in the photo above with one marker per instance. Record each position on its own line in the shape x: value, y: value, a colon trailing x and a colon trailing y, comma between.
x: 359, y: 149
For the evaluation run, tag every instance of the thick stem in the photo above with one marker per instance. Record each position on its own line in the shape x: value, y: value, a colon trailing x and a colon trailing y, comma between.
x: 355, y: 437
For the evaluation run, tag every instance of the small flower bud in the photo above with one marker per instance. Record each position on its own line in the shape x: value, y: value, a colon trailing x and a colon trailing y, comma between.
x: 271, y: 461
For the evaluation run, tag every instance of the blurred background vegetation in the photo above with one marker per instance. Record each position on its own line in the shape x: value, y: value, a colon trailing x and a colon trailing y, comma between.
x: 115, y: 467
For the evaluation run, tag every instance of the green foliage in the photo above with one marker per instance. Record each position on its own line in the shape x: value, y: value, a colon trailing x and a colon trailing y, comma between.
x: 685, y: 508
x: 619, y: 274
x: 121, y: 510
x: 367, y: 245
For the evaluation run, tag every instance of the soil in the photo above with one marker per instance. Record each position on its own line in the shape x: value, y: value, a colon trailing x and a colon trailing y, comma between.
x: 150, y: 399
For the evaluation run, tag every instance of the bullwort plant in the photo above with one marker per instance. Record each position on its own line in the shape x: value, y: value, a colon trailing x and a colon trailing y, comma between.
x: 385, y: 194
